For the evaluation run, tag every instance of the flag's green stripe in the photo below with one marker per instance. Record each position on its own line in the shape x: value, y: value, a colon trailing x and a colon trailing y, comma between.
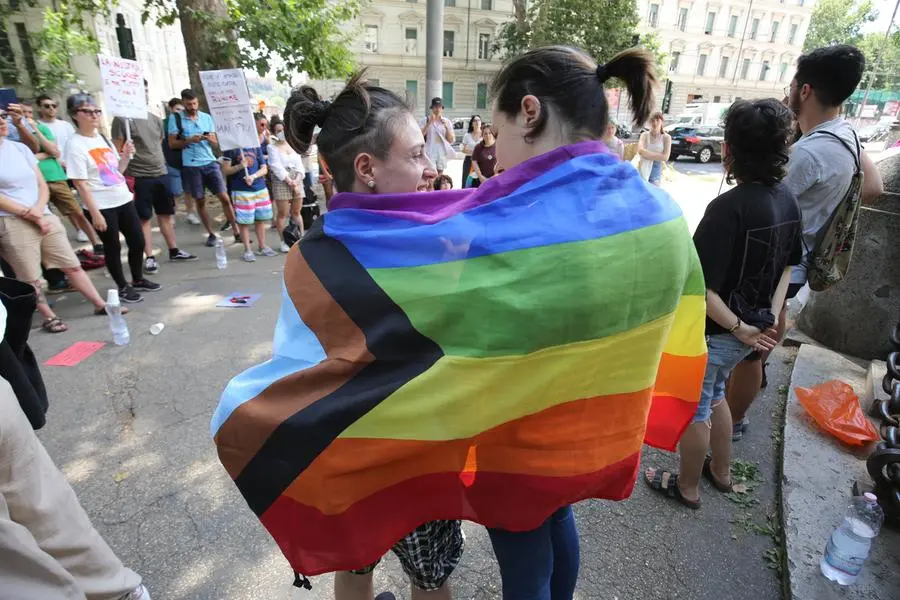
x: 517, y: 302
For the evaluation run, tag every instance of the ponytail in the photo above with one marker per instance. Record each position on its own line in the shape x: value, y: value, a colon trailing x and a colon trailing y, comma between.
x: 634, y: 67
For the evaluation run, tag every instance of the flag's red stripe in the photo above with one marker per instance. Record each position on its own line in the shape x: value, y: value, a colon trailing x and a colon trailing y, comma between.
x: 669, y: 417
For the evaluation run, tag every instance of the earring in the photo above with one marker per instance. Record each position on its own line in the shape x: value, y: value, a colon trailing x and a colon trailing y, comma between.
x: 371, y: 184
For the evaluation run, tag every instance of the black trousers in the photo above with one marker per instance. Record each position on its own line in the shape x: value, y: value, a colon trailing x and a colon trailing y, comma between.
x: 122, y: 219
x: 18, y: 364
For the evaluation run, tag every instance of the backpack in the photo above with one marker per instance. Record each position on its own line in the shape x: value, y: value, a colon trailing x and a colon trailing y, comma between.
x: 829, y: 259
x: 174, y: 157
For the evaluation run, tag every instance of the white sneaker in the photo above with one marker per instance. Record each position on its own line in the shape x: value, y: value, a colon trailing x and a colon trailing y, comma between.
x: 249, y: 256
x: 82, y: 236
x: 193, y: 219
x: 139, y: 593
x: 284, y: 248
x: 267, y: 252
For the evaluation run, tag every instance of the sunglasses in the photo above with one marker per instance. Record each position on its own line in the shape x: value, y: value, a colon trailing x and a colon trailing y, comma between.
x: 50, y: 105
x: 96, y: 112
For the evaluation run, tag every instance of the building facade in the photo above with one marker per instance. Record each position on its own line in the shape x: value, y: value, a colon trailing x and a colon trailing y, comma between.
x: 720, y: 50
x: 389, y: 40
x: 159, y: 50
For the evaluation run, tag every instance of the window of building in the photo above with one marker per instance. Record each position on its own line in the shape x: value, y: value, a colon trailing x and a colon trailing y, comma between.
x: 710, y: 21
x: 412, y: 41
x: 27, y: 51
x: 775, y: 26
x: 701, y: 64
x: 370, y: 39
x: 484, y: 46
x: 487, y: 4
x: 792, y: 33
x: 732, y: 25
x: 745, y: 68
x: 682, y: 19
x: 412, y: 1
x: 764, y: 71
x: 782, y: 72
x: 723, y: 67
x: 8, y: 71
x: 717, y: 98
x: 653, y: 15
x: 412, y: 92
x: 481, y: 95
x: 673, y: 66
x: 754, y: 29
x: 449, y: 38
x: 447, y: 96
x: 449, y: 2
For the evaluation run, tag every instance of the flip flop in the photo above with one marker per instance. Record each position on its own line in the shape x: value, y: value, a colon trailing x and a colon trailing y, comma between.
x: 666, y: 483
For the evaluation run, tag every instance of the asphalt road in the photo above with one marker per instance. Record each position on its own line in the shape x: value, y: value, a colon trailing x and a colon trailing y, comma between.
x: 129, y: 427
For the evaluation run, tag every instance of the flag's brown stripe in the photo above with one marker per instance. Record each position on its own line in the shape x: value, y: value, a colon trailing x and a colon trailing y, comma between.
x: 251, y: 423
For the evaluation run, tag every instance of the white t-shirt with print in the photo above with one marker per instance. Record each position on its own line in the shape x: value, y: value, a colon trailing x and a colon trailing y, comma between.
x: 97, y: 162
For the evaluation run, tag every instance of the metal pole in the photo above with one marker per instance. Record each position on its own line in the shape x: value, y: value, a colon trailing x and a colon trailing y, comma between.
x: 434, y: 40
x: 887, y: 35
x: 741, y: 46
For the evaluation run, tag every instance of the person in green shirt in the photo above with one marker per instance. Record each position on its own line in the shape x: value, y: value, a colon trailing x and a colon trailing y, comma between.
x: 61, y: 195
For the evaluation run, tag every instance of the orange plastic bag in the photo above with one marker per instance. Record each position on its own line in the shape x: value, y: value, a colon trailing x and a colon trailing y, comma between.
x: 835, y: 407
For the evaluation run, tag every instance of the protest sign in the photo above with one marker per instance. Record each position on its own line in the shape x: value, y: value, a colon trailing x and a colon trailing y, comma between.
x: 123, y: 87
x: 229, y: 104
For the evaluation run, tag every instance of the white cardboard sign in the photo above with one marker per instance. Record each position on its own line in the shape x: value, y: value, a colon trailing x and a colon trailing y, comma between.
x: 123, y: 87
x: 229, y: 104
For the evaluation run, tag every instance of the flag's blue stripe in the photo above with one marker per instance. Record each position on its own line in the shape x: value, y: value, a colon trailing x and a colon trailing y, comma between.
x: 295, y: 348
x: 584, y: 198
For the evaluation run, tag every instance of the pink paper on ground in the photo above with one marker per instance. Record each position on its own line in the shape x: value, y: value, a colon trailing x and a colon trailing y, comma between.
x: 74, y: 354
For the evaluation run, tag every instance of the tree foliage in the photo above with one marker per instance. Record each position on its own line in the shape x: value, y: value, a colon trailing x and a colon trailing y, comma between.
x: 886, y: 70
x: 55, y: 44
x: 838, y: 22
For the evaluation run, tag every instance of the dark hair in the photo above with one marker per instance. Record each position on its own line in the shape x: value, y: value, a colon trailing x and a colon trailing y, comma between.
x: 361, y: 118
x: 657, y: 116
x: 571, y: 83
x: 833, y: 72
x: 258, y: 115
x: 440, y: 180
x: 76, y: 101
x: 43, y: 97
x: 175, y: 102
x: 472, y: 122
x: 275, y: 120
x: 758, y: 134
x: 188, y: 94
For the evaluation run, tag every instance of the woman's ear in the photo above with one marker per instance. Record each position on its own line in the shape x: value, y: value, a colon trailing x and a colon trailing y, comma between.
x: 530, y: 111
x: 364, y: 168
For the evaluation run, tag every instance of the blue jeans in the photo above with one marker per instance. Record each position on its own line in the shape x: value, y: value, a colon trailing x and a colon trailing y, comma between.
x: 656, y: 173
x: 541, y: 564
x: 724, y: 352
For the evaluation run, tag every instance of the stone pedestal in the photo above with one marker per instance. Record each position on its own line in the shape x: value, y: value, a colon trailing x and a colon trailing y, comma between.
x: 856, y: 316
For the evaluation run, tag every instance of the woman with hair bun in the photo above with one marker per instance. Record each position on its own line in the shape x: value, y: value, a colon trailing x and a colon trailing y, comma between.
x: 490, y: 354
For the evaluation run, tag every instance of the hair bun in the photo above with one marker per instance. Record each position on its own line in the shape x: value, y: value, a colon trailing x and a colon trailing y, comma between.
x: 322, y: 110
x: 601, y: 73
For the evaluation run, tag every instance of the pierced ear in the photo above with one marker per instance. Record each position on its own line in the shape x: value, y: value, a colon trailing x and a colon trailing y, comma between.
x: 531, y: 110
x: 364, y: 168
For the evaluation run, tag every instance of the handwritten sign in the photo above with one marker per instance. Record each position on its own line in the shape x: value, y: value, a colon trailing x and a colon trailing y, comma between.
x: 229, y: 104
x: 123, y: 87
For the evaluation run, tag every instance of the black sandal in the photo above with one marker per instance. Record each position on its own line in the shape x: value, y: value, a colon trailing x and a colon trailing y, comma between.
x: 669, y: 488
x: 54, y: 325
x: 707, y: 472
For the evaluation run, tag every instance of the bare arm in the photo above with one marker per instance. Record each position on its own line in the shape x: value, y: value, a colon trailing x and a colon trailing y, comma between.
x: 46, y: 146
x: 448, y: 130
x: 213, y: 140
x: 781, y: 291
x: 84, y: 191
x: 43, y: 192
x: 27, y: 137
x: 230, y: 168
x: 9, y: 205
x: 719, y: 312
x: 873, y: 186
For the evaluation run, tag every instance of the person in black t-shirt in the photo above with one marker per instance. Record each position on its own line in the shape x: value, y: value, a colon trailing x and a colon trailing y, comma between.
x: 747, y: 242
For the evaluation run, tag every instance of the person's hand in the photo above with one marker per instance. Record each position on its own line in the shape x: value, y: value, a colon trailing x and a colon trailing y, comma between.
x: 33, y: 215
x: 15, y: 113
x: 128, y: 149
x: 249, y: 179
x: 195, y: 139
x: 98, y: 221
x: 755, y: 338
x: 43, y: 226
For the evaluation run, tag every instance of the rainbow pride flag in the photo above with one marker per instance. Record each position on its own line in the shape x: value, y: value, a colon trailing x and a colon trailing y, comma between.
x: 488, y: 355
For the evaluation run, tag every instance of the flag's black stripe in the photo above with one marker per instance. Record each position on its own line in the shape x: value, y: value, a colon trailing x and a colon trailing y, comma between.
x: 401, y: 354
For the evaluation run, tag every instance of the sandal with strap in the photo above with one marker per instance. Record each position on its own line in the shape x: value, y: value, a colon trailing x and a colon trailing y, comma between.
x: 54, y: 325
x: 666, y: 483
x: 707, y: 472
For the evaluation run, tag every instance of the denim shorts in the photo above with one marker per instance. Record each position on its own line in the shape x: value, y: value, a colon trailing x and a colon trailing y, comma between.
x: 174, y: 179
x: 724, y: 352
x: 655, y: 173
x: 209, y: 176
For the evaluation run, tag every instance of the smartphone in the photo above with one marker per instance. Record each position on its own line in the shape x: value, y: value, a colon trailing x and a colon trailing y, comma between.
x: 7, y: 97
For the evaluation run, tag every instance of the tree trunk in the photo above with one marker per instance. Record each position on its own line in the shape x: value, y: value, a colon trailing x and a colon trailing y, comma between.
x: 198, y: 43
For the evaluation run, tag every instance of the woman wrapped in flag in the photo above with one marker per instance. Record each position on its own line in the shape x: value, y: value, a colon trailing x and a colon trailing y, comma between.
x: 492, y: 355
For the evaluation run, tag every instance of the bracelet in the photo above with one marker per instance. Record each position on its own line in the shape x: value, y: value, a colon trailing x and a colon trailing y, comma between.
x: 736, y: 326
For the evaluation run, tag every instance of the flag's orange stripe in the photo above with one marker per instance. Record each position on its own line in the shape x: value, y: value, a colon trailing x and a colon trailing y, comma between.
x: 680, y: 376
x: 315, y: 543
x: 582, y: 436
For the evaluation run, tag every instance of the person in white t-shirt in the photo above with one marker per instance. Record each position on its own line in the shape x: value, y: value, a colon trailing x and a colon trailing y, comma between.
x: 469, y: 141
x: 30, y: 234
x: 95, y: 168
x: 62, y: 130
x: 438, y: 132
x: 288, y: 190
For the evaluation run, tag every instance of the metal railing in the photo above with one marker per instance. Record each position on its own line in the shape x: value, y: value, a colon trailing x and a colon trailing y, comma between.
x: 884, y: 463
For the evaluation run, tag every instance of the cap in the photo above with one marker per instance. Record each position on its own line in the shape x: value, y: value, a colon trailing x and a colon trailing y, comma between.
x: 436, y: 102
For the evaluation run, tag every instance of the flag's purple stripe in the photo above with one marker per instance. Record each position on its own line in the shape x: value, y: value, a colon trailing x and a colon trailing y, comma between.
x: 432, y: 207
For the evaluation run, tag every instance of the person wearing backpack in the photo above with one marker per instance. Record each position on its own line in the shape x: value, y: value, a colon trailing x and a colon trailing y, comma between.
x: 829, y: 174
x: 174, y: 164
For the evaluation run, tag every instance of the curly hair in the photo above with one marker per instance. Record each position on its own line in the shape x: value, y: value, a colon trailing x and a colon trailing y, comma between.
x: 758, y: 134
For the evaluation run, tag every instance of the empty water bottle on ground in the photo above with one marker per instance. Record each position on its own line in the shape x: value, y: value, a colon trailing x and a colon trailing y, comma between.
x: 117, y: 323
x: 221, y: 256
x: 849, y: 545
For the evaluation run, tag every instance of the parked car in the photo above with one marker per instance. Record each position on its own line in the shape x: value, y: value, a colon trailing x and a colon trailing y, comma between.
x: 623, y: 131
x: 703, y: 143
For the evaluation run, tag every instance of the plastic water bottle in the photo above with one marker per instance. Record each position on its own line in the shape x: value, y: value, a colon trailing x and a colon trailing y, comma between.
x: 117, y: 323
x: 849, y: 545
x: 221, y: 256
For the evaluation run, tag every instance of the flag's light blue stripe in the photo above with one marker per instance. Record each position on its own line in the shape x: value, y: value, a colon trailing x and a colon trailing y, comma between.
x: 585, y: 198
x: 295, y: 348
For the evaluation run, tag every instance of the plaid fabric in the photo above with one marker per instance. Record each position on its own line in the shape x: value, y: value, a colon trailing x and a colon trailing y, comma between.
x: 429, y: 554
x: 280, y: 190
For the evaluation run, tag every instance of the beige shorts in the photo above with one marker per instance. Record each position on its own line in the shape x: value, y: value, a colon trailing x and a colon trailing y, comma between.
x: 25, y: 249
